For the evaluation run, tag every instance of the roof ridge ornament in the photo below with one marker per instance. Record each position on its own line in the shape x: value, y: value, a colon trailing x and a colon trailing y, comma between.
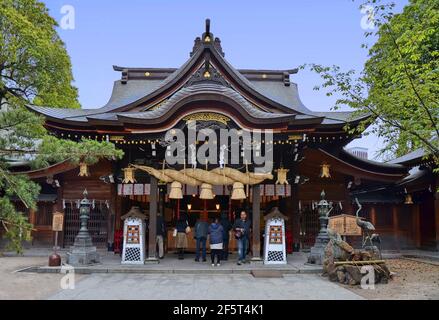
x: 207, y: 39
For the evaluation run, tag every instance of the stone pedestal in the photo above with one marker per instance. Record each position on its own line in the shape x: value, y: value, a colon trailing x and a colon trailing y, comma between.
x: 82, y: 256
x: 318, y: 251
x: 82, y: 252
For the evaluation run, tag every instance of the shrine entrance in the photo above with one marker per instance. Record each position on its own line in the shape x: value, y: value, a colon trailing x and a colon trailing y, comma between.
x: 196, y: 209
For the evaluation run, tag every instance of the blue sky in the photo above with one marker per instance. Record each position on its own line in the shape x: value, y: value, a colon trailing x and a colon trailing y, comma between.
x: 254, y: 34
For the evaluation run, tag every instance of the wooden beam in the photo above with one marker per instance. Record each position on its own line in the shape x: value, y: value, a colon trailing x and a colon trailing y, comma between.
x: 152, y: 219
x: 256, y: 223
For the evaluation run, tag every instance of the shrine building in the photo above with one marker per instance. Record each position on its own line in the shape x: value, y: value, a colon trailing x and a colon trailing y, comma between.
x: 207, y: 92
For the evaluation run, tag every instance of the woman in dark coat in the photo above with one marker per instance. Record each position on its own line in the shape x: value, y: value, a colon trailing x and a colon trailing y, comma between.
x: 181, y: 227
x: 216, y: 241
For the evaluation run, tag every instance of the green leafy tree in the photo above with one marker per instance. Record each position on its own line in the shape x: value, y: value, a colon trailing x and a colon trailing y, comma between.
x: 34, y: 69
x: 399, y: 86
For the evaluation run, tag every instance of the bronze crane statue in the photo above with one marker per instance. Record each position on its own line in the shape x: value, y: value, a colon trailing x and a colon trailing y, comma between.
x: 367, y: 228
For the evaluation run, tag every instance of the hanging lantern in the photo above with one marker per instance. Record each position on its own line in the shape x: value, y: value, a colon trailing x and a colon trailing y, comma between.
x: 83, y: 170
x: 282, y: 176
x: 324, y: 172
x: 176, y: 192
x: 128, y: 175
x: 238, y: 191
x: 408, y: 199
x: 206, y: 191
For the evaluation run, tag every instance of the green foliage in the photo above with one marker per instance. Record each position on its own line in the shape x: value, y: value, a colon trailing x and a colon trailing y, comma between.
x: 34, y: 69
x: 33, y: 61
x: 399, y: 86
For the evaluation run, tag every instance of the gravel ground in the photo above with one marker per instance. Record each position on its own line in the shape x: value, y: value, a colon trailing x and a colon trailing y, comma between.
x: 414, y: 280
x: 24, y: 285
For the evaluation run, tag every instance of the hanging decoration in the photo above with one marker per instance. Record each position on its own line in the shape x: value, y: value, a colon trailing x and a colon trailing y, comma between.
x: 83, y: 170
x: 128, y: 175
x: 196, y: 177
x: 408, y: 199
x: 282, y: 176
x: 206, y: 192
x: 238, y: 191
x: 324, y: 172
x: 176, y: 192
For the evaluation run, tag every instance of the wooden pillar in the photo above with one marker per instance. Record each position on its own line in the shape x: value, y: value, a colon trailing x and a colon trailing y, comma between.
x: 295, y: 216
x: 111, y: 217
x: 395, y: 226
x: 152, y: 219
x: 59, y: 207
x: 416, y: 225
x: 373, y: 216
x: 256, y: 223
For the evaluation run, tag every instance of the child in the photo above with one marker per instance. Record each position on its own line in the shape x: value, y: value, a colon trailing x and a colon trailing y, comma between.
x: 216, y: 241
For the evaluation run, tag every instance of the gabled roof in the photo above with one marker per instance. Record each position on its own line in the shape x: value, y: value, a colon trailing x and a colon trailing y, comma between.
x: 145, y: 94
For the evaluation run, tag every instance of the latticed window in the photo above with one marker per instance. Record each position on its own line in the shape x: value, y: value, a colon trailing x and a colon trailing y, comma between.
x: 97, y: 224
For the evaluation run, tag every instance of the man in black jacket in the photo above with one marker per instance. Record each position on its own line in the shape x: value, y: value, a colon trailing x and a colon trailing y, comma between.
x: 242, y: 229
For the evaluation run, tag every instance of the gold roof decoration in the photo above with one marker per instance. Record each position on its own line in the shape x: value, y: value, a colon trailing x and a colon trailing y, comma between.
x: 324, y: 172
x: 83, y: 170
x: 282, y: 176
x: 128, y: 175
x: 207, y: 116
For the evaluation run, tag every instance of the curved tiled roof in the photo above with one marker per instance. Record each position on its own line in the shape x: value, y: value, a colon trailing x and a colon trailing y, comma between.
x: 207, y: 88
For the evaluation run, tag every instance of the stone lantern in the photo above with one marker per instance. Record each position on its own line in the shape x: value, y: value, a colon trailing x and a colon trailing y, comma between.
x: 83, y: 252
x: 322, y: 239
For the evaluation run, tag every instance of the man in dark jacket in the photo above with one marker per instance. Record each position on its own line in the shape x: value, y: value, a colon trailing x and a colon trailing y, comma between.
x: 200, y: 234
x: 227, y: 226
x: 242, y: 228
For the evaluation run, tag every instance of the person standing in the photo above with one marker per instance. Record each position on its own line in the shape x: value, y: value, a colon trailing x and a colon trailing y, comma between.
x: 161, y: 233
x: 227, y: 226
x: 182, y: 228
x: 200, y: 235
x: 242, y: 234
x: 216, y: 242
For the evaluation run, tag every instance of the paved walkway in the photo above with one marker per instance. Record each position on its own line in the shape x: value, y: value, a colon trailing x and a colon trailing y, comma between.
x: 205, y: 287
x: 111, y: 263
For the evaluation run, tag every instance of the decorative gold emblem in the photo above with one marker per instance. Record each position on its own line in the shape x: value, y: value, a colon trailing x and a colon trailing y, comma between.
x: 282, y: 176
x: 207, y: 39
x: 324, y: 172
x: 295, y: 137
x: 128, y: 175
x: 207, y: 116
x: 83, y: 170
x: 147, y: 74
